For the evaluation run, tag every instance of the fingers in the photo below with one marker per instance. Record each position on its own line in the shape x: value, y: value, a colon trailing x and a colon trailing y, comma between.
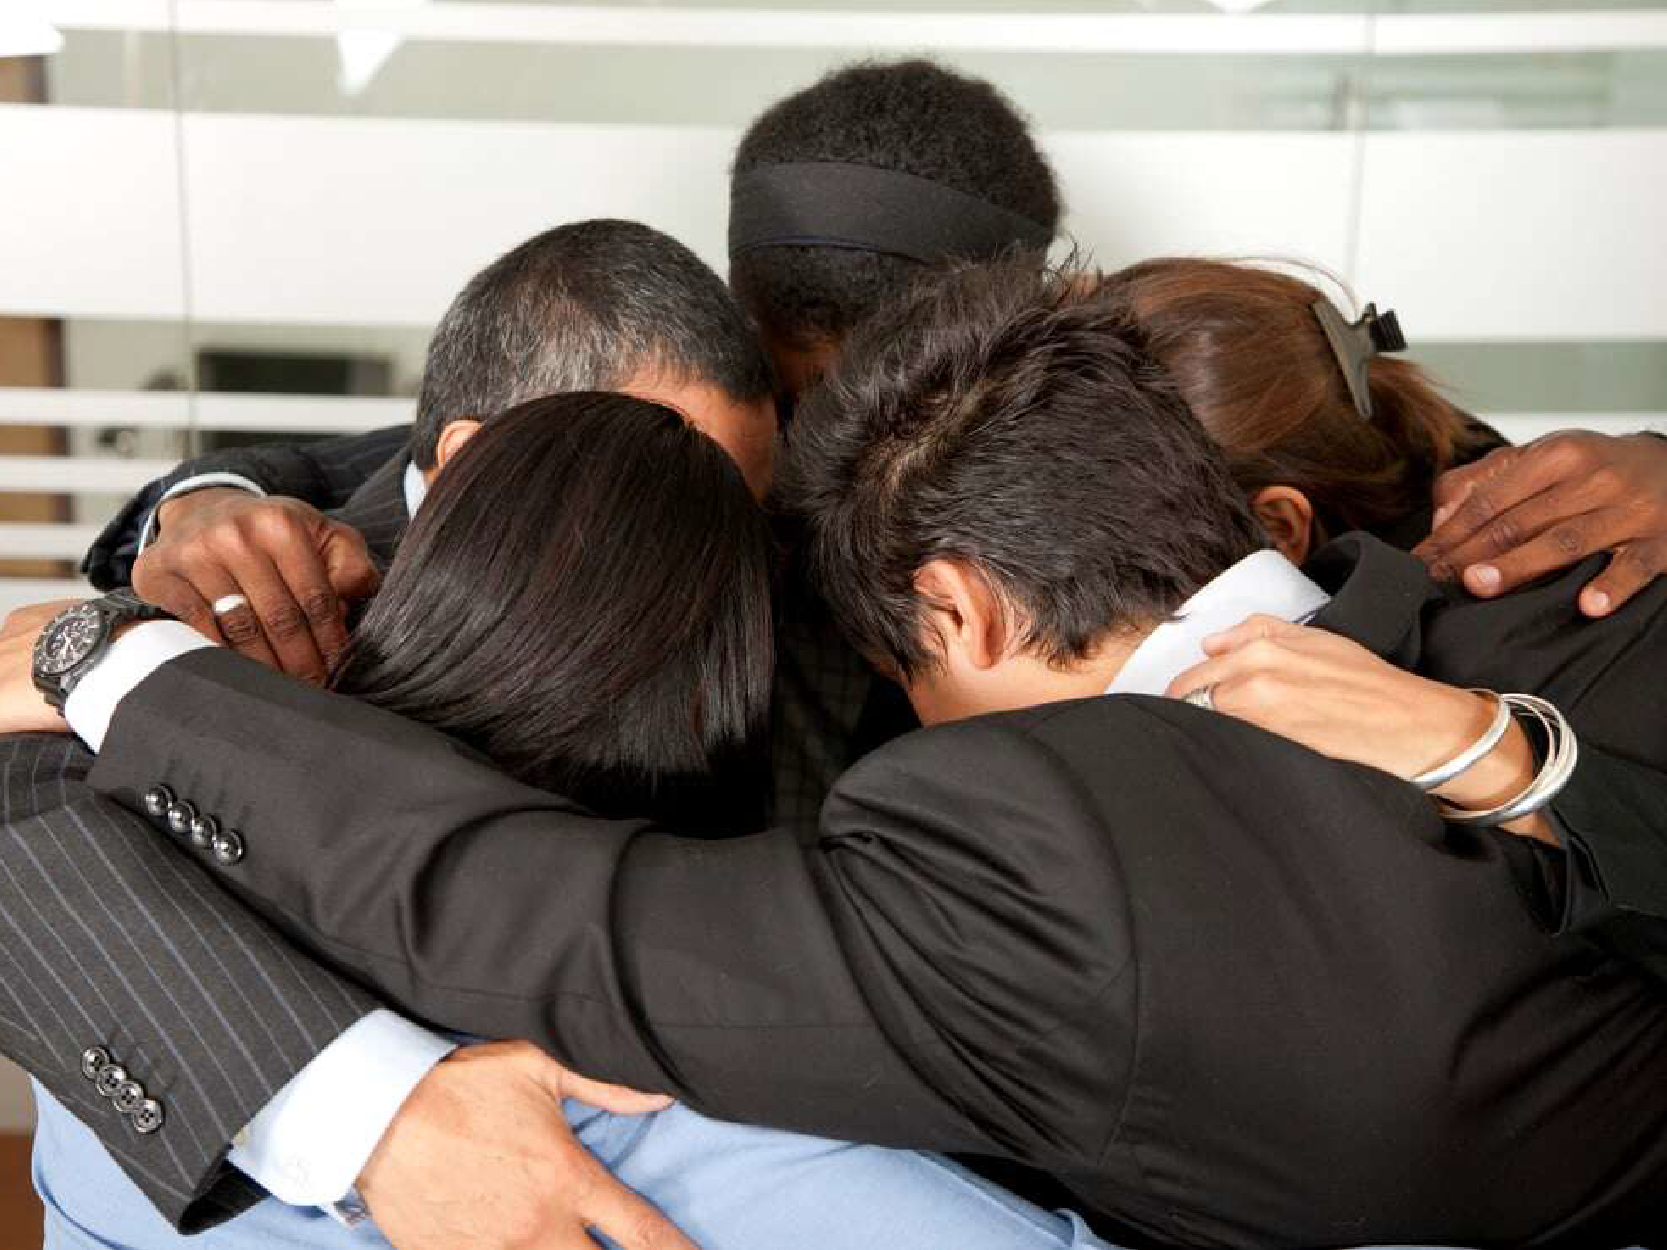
x: 1454, y: 488
x: 287, y: 626
x: 176, y: 595
x: 348, y: 564
x: 563, y: 1083
x: 1220, y: 674
x: 625, y: 1217
x: 212, y: 582
x: 314, y: 610
x: 1631, y: 569
x: 1249, y: 630
x: 1473, y: 524
x: 1548, y: 532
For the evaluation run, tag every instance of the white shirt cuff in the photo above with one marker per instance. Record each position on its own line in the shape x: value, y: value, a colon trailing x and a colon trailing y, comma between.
x: 137, y: 653
x: 201, y: 481
x: 308, y: 1145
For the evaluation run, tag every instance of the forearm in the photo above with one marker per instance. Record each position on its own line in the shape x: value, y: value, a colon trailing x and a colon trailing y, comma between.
x: 709, y: 970
x: 322, y: 473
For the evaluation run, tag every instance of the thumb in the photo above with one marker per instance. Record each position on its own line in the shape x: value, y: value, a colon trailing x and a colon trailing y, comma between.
x: 613, y: 1098
x: 353, y: 574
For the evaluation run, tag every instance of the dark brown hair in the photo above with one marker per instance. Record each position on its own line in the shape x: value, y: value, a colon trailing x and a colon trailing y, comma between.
x: 585, y: 597
x: 1008, y: 417
x: 1249, y: 357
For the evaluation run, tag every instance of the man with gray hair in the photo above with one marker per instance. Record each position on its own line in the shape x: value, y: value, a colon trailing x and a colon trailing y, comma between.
x: 593, y: 305
x: 230, y: 1056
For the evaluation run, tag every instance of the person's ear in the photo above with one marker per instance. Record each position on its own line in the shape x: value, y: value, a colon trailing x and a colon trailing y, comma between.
x: 452, y: 439
x: 1288, y: 518
x: 963, y: 614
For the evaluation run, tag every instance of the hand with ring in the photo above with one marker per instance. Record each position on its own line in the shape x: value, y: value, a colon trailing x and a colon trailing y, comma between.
x: 1334, y: 696
x: 271, y: 577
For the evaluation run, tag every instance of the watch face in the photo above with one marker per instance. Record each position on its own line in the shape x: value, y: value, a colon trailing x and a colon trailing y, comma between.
x: 68, y: 641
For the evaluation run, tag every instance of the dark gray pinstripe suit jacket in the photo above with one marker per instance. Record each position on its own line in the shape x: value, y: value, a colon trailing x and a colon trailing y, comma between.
x: 110, y: 937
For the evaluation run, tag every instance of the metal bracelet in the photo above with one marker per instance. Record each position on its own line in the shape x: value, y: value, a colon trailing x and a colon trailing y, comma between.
x: 1561, y: 757
x: 1467, y: 758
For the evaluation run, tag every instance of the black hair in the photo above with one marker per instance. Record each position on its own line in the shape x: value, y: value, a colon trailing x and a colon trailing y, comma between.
x: 583, y: 307
x: 1007, y: 416
x: 913, y: 116
x: 585, y: 597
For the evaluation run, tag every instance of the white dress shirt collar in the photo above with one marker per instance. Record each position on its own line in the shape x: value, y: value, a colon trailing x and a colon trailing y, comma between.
x: 1265, y: 583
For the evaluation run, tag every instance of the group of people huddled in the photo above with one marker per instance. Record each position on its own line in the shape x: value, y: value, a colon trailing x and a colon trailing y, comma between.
x: 976, y: 751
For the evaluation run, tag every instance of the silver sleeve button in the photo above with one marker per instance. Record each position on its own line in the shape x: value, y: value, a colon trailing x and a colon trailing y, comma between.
x: 110, y: 1078
x: 180, y: 815
x: 228, y: 847
x: 94, y: 1059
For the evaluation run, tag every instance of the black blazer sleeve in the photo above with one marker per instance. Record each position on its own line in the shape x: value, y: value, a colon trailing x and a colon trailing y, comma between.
x: 1612, y: 818
x: 761, y: 978
x: 323, y: 473
x: 111, y: 939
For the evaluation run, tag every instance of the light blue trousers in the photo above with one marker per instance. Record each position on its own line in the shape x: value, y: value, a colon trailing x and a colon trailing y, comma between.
x: 727, y: 1186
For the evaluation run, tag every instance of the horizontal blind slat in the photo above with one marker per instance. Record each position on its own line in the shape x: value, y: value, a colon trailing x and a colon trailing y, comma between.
x: 77, y: 474
x: 322, y: 414
x: 45, y: 541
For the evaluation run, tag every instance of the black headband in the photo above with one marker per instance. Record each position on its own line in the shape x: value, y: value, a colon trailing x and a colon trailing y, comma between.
x: 1354, y: 343
x: 832, y: 204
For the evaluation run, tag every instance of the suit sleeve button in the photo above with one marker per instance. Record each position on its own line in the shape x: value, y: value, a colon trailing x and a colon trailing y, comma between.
x: 228, y: 847
x: 93, y: 1059
x: 110, y: 1078
x: 157, y: 801
x: 204, y: 830
x: 180, y: 816
x: 147, y: 1117
x: 129, y: 1097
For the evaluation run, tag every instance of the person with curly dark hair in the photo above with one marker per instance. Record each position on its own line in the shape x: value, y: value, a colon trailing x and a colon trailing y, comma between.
x: 844, y: 192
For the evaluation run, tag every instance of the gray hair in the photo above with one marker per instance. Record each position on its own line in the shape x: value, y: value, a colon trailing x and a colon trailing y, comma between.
x: 583, y: 307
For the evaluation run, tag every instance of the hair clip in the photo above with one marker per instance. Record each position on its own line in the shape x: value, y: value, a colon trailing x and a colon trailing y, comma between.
x: 1355, y: 343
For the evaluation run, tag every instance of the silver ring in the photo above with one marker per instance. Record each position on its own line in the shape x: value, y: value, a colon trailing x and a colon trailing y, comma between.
x: 228, y: 603
x: 1201, y: 698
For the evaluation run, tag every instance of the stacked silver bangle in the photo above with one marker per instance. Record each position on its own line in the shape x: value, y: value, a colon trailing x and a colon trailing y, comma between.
x: 1561, y: 755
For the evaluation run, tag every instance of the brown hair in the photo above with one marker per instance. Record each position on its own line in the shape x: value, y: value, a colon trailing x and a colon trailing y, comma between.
x: 1248, y: 355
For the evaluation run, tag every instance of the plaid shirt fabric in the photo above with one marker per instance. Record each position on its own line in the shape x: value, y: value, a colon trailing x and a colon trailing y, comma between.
x: 822, y: 686
x: 829, y: 707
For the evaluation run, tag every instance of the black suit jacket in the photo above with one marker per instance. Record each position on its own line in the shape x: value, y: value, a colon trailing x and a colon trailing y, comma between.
x: 1229, y: 991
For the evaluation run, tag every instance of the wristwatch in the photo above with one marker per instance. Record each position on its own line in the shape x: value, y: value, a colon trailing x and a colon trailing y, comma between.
x: 73, y: 641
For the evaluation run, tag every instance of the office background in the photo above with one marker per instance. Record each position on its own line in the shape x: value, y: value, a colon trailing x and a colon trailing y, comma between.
x: 228, y: 219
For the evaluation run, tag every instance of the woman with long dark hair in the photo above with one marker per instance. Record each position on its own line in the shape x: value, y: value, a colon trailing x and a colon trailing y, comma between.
x: 585, y: 598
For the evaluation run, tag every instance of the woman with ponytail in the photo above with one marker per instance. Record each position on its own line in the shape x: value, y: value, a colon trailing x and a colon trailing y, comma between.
x: 1329, y: 431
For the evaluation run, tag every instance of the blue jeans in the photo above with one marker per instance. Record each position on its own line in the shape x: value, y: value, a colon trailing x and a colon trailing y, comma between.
x: 727, y: 1186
